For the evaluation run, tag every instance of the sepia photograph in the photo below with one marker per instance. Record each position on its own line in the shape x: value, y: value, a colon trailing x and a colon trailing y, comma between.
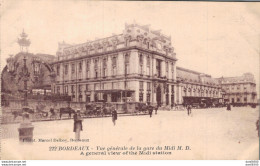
x: 129, y: 80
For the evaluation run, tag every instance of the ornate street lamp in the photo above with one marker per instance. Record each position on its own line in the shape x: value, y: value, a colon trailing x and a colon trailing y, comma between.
x: 26, y: 128
x: 24, y: 74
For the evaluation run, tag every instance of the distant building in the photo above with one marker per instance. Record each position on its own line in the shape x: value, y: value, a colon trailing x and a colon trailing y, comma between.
x: 39, y: 69
x: 194, y: 86
x: 239, y: 90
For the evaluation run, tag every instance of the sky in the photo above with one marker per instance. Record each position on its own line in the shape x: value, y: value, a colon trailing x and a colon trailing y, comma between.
x: 217, y: 38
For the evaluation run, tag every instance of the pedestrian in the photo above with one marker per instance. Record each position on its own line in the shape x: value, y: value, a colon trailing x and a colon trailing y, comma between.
x: 189, y: 109
x: 156, y: 109
x: 228, y: 106
x: 114, y: 116
x: 77, y: 124
x: 150, y: 109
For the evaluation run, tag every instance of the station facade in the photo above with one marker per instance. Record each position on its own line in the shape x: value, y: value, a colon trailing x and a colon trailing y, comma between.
x: 194, y: 86
x: 138, y: 65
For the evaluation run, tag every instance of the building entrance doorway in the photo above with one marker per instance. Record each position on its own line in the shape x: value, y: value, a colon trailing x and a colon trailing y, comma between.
x: 158, y: 95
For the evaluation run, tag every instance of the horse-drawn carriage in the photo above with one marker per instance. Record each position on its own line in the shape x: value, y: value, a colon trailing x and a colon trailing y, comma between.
x: 37, y: 113
x: 24, y: 112
x: 98, y: 110
x: 40, y: 113
x: 143, y: 108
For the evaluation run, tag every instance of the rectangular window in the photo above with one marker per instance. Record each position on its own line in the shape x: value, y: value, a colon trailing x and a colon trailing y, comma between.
x: 104, y: 63
x: 245, y: 99
x: 172, y: 90
x: 167, y: 69
x: 140, y: 64
x: 96, y: 68
x: 80, y: 88
x: 127, y: 58
x: 114, y: 70
x: 87, y: 87
x: 141, y: 97
x: 80, y: 66
x: 96, y: 63
x: 114, y: 66
x: 148, y: 86
x: 80, y: 97
x: 167, y: 88
x: 66, y: 89
x: 172, y: 71
x: 140, y: 58
x: 66, y: 69
x: 104, y: 72
x: 73, y: 68
x: 148, y: 97
x: 58, y: 70
x: 114, y: 61
x: 87, y: 98
x: 127, y: 63
x: 72, y: 89
x: 167, y: 99
x: 158, y: 67
x: 141, y: 85
x: 148, y: 65
x: 96, y: 73
x: 104, y: 67
x: 141, y: 69
x: 87, y: 68
x: 127, y: 69
x: 148, y: 61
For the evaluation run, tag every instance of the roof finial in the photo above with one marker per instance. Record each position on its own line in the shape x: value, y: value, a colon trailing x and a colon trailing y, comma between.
x: 23, y: 41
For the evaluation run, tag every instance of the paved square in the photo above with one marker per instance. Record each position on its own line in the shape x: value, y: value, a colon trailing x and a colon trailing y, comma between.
x: 210, y: 133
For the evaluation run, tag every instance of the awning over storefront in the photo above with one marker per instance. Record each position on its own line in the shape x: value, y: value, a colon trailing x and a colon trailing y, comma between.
x: 48, y: 87
x: 199, y: 97
x: 113, y: 90
x: 113, y: 95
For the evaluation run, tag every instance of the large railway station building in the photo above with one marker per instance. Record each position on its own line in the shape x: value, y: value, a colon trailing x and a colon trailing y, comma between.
x: 138, y: 65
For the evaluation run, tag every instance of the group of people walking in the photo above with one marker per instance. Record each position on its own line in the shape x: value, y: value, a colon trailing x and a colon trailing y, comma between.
x: 78, y: 119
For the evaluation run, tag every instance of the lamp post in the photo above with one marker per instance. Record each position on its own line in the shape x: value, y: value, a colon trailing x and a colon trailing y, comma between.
x: 24, y: 43
x: 26, y: 127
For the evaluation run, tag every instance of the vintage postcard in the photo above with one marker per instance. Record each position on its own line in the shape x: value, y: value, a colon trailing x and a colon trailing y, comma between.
x: 134, y: 80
